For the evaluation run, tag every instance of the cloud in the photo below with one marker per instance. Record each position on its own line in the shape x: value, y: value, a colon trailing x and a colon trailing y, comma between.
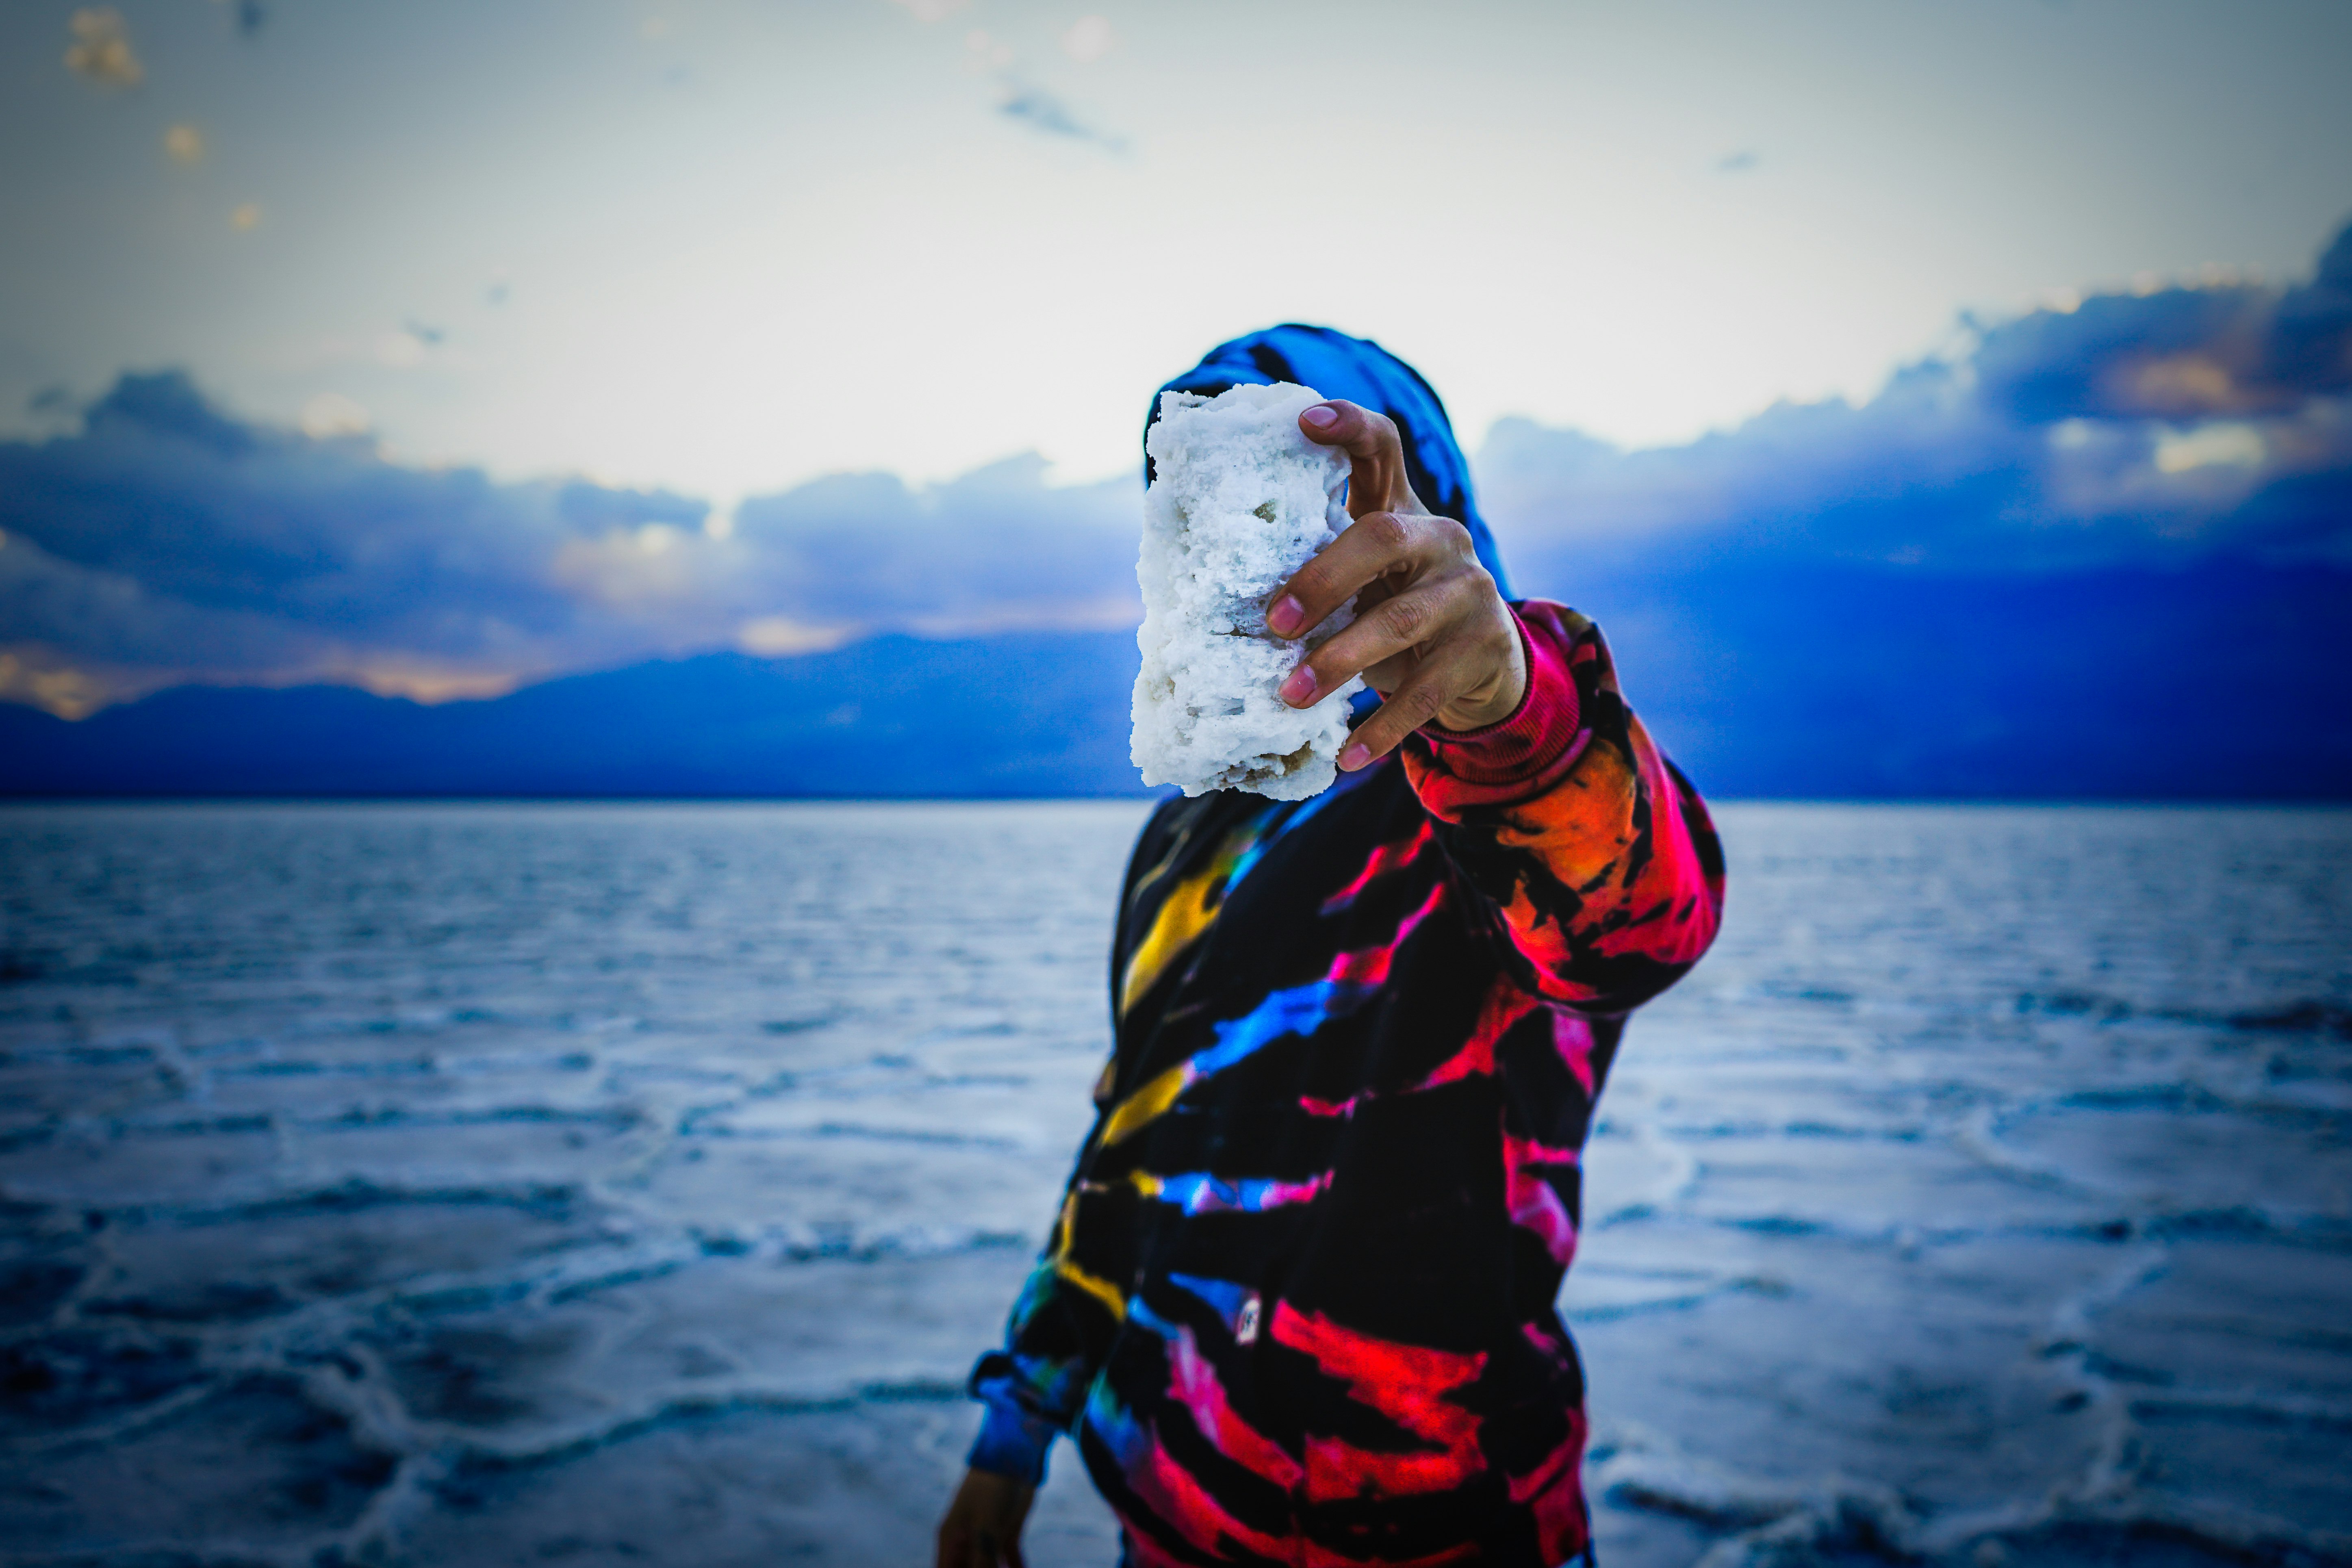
x: 2152, y: 428
x: 167, y: 540
x: 1022, y: 99
x: 163, y: 538
x: 402, y: 348
x: 163, y: 491
x: 997, y: 548
x: 1088, y: 39
x: 2181, y: 352
x: 1044, y: 111
x: 101, y: 52
x: 984, y: 53
x: 331, y: 414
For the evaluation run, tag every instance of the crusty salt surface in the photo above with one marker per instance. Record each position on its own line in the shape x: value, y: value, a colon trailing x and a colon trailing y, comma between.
x: 1239, y: 501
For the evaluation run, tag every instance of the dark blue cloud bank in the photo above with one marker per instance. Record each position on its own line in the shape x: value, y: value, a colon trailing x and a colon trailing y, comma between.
x: 167, y: 540
x: 2107, y: 552
x: 2155, y: 430
x: 2102, y: 551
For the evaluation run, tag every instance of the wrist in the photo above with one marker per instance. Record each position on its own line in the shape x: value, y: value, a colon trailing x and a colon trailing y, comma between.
x: 1012, y: 1443
x: 1501, y: 697
x: 1528, y: 753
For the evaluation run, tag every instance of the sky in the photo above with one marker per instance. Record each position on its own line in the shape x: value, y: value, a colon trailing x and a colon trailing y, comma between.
x: 724, y: 247
x: 438, y: 346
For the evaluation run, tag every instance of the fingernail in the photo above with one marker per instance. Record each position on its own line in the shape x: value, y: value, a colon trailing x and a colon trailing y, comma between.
x: 1299, y: 687
x: 1287, y: 614
x: 1322, y: 416
x: 1354, y: 757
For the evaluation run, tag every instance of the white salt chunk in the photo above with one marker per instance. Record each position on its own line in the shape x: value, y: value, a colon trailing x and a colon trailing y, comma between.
x: 1239, y: 500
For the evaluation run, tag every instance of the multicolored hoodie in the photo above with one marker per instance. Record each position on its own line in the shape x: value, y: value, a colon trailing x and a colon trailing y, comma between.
x: 1299, y: 1305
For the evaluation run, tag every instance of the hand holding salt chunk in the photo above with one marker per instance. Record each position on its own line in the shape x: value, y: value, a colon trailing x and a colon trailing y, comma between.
x: 1240, y: 500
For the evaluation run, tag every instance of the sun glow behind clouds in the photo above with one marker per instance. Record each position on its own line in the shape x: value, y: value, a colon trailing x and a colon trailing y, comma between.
x: 101, y: 52
x: 2208, y: 446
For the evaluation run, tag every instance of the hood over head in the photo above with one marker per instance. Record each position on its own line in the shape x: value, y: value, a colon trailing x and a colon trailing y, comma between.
x: 1363, y: 372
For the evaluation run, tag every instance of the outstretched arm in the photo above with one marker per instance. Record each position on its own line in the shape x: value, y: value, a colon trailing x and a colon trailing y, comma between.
x: 1596, y: 860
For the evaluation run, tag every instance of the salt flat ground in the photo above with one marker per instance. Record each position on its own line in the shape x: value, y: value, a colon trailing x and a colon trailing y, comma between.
x: 597, y: 1184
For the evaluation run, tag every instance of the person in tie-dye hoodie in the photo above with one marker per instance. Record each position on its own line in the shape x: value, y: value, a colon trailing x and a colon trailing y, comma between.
x: 1298, y: 1306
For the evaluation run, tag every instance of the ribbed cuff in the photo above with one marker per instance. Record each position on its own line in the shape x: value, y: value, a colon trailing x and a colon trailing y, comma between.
x: 1522, y: 748
x: 1011, y: 1442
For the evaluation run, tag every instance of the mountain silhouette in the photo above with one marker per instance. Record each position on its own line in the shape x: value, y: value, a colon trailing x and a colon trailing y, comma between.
x: 2229, y: 682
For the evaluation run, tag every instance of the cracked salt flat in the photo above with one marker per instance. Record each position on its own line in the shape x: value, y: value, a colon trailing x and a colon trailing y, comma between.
x: 507, y: 1185
x: 1970, y: 1107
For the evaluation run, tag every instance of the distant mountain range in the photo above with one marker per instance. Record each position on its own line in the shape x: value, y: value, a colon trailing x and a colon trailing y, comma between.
x: 2230, y: 682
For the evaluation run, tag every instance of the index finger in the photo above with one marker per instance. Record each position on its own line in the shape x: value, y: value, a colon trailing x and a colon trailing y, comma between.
x: 1372, y: 547
x: 1376, y: 475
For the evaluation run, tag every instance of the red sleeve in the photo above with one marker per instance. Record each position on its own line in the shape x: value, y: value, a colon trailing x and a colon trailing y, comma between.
x: 1526, y: 751
x: 1596, y: 859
